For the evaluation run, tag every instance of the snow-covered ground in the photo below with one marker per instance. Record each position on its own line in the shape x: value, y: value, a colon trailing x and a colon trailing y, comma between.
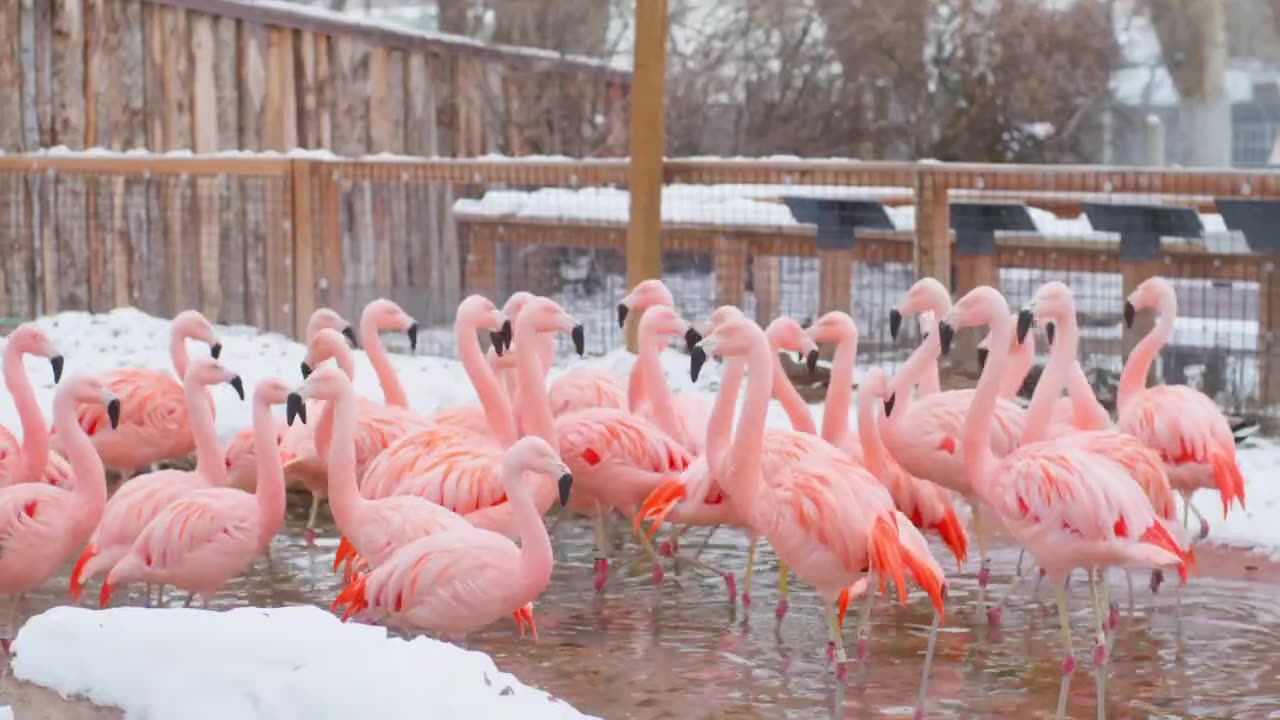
x: 278, y: 663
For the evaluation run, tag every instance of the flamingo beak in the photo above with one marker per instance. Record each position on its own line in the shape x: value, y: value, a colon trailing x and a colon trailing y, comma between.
x: 350, y: 334
x: 697, y: 358
x: 238, y: 385
x: 56, y: 361
x: 215, y: 350
x: 946, y: 334
x: 888, y: 404
x: 895, y: 323
x: 113, y: 411
x: 579, y: 340
x: 564, y: 485
x: 1130, y: 314
x: 413, y: 336
x: 811, y: 362
x: 306, y: 370
x: 622, y: 314
x: 294, y: 407
x: 1048, y: 332
x: 508, y: 333
x: 496, y: 339
x: 1025, y: 320
x: 982, y: 358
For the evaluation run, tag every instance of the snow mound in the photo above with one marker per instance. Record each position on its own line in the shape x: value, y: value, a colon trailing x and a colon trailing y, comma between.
x: 277, y: 664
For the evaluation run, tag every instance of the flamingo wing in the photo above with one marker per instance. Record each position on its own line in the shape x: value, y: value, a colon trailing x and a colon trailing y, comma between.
x: 202, y: 524
x: 584, y: 389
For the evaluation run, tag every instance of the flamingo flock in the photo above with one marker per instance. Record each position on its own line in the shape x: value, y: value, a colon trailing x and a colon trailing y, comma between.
x: 430, y: 507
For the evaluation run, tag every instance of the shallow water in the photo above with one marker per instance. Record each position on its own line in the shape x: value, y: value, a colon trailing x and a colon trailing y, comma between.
x: 681, y: 651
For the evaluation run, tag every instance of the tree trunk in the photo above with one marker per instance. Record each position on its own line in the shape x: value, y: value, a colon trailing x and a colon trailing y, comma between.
x: 1193, y: 39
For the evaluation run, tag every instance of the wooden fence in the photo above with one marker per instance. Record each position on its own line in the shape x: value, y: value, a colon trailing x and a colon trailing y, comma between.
x: 211, y: 75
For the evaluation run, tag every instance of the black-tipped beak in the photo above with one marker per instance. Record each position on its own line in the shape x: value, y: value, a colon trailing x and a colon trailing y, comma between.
x: 56, y: 361
x: 888, y: 404
x: 622, y: 314
x: 691, y: 339
x: 946, y: 334
x: 294, y: 407
x: 1025, y: 320
x: 697, y: 358
x: 1130, y: 314
x: 496, y: 339
x: 508, y: 334
x: 413, y: 337
x: 350, y: 334
x: 811, y: 362
x: 565, y: 484
x: 982, y: 358
x: 215, y: 350
x: 306, y: 370
x: 1048, y: 332
x: 238, y: 385
x: 113, y: 412
x: 579, y: 340
x: 895, y: 323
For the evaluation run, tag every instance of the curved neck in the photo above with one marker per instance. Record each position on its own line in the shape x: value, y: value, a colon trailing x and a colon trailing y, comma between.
x: 931, y: 378
x: 743, y: 480
x: 1021, y: 359
x: 344, y: 495
x: 533, y: 394
x: 1062, y: 355
x: 835, y: 417
x: 86, y: 467
x: 324, y: 426
x: 178, y: 351
x: 979, y: 460
x: 35, y: 436
x: 1133, y: 378
x: 1087, y: 412
x: 270, y: 490
x: 922, y: 361
x: 493, y: 399
x: 655, y: 389
x: 788, y: 397
x: 535, y: 545
x: 873, y: 452
x: 392, y: 390
x: 720, y: 422
x: 210, y: 461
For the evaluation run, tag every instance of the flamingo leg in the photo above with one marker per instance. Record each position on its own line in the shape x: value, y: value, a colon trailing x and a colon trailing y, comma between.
x: 160, y: 596
x: 309, y: 534
x: 705, y: 541
x: 7, y: 637
x: 146, y: 595
x: 996, y: 612
x: 1204, y: 524
x: 864, y: 626
x: 658, y: 572
x: 746, y: 578
x: 784, y: 592
x: 835, y: 643
x: 984, y: 572
x: 1099, y: 647
x: 190, y: 597
x: 1069, y: 659
x: 601, y: 564
x: 928, y: 664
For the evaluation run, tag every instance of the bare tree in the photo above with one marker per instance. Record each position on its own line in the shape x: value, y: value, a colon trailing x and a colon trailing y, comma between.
x: 1193, y: 41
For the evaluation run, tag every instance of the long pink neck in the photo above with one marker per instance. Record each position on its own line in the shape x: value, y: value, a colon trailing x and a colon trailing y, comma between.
x: 324, y: 426
x: 788, y: 397
x: 270, y: 490
x: 873, y: 452
x: 1133, y: 379
x: 922, y: 361
x: 537, y: 417
x: 654, y: 384
x: 1087, y: 412
x: 493, y: 398
x: 178, y: 350
x: 392, y: 390
x: 931, y: 378
x: 744, y: 481
x: 720, y: 422
x: 979, y: 460
x: 35, y: 436
x: 1062, y: 356
x: 1021, y: 358
x: 86, y: 467
x: 344, y: 495
x: 210, y: 463
x: 835, y: 417
x: 535, y: 545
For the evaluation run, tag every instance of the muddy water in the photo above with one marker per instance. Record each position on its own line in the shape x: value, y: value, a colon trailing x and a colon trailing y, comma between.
x: 681, y: 651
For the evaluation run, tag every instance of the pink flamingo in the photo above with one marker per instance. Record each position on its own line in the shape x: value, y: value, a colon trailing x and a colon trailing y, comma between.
x: 156, y: 426
x: 1069, y: 507
x: 203, y: 539
x: 241, y: 458
x: 930, y: 300
x: 142, y: 498
x: 923, y: 434
x: 459, y: 580
x: 42, y: 526
x: 684, y: 416
x: 1184, y: 426
x: 828, y: 521
x: 31, y: 461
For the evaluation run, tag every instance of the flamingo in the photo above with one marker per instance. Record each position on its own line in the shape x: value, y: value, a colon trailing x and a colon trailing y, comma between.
x: 460, y: 580
x: 31, y: 460
x: 42, y: 526
x: 649, y: 294
x: 203, y: 539
x: 929, y: 299
x: 156, y: 426
x: 241, y: 458
x: 829, y: 521
x: 142, y: 498
x: 684, y: 416
x: 1184, y: 426
x: 1069, y: 507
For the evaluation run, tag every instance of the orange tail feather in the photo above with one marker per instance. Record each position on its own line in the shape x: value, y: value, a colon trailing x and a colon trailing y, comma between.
x: 343, y: 552
x: 1159, y: 536
x: 1226, y: 475
x: 76, y: 587
x: 926, y: 575
x: 104, y: 597
x: 886, y: 556
x: 951, y: 530
x: 659, y: 504
x: 842, y: 605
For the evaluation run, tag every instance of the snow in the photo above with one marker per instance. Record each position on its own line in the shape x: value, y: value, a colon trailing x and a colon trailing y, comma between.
x: 6, y: 713
x: 278, y: 663
x: 1255, y: 528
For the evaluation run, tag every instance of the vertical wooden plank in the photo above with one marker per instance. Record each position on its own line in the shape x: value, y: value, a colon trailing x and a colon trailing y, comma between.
x: 450, y: 257
x: 71, y: 262
x: 204, y: 95
x: 147, y: 227
x: 766, y: 280
x: 47, y: 268
x: 252, y: 193
x: 481, y: 269
x: 280, y: 264
x: 36, y: 29
x: 1269, y: 331
x: 156, y: 38
x: 248, y: 192
x: 230, y: 254
x: 253, y: 83
x: 324, y: 94
x: 304, y: 211
x: 835, y: 280
x: 68, y: 74
x: 10, y: 77
x: 933, y: 228
x: 101, y: 52
x: 972, y: 270
x: 329, y: 251
x: 15, y: 284
x: 424, y: 200
x: 304, y: 49
x: 729, y: 263
x: 206, y: 137
x: 281, y: 111
x: 350, y: 68
x: 128, y: 130
x: 379, y: 100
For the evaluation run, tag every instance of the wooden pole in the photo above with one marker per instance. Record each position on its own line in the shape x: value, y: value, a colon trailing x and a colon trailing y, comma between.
x: 648, y: 143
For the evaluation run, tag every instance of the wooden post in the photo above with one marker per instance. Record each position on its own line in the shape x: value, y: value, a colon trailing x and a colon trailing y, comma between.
x: 648, y: 143
x: 729, y: 262
x: 304, y: 241
x: 1269, y: 331
x: 835, y: 280
x: 766, y: 280
x: 975, y: 266
x: 933, y: 228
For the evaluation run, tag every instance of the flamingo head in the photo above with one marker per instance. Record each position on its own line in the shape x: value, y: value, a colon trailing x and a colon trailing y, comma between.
x: 479, y: 311
x: 325, y: 344
x: 533, y: 454
x: 543, y: 315
x: 271, y: 391
x: 1051, y: 303
x: 646, y: 294
x: 734, y: 338
x: 983, y: 305
x: 833, y: 327
x: 84, y: 388
x: 29, y: 339
x: 191, y: 324
x: 384, y: 314
x: 875, y: 386
x: 324, y: 383
x: 207, y: 371
x: 1154, y: 293
x: 925, y: 295
x: 786, y: 335
x: 324, y: 318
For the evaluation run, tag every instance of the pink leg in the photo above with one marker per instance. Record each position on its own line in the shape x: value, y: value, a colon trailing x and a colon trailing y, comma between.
x: 601, y: 569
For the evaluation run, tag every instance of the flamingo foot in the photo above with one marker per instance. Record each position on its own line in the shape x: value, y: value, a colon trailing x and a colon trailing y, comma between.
x: 309, y: 537
x: 1113, y: 618
x: 731, y: 584
x: 781, y: 611
x: 1157, y: 577
x: 984, y: 576
x: 918, y: 714
x: 1099, y: 654
x: 667, y: 548
x: 1204, y: 528
x: 994, y: 615
x: 658, y: 573
x: 601, y: 574
x: 842, y: 671
x: 831, y: 651
x: 864, y: 650
x: 1069, y: 664
x: 746, y: 599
